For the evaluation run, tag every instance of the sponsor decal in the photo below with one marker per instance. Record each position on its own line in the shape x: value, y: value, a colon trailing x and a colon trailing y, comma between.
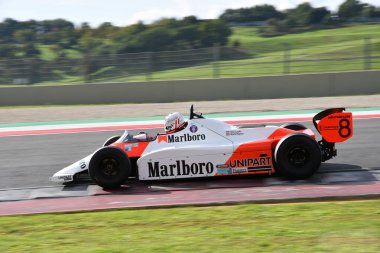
x: 239, y: 170
x: 82, y: 164
x: 128, y: 147
x: 181, y: 138
x: 66, y: 178
x: 234, y: 132
x: 250, y: 162
x: 163, y: 138
x: 222, y: 166
x: 135, y: 145
x: 179, y: 168
x: 224, y: 171
x: 339, y: 116
x: 193, y: 128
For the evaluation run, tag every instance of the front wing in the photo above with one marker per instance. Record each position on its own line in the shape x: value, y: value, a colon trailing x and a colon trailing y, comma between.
x: 67, y: 174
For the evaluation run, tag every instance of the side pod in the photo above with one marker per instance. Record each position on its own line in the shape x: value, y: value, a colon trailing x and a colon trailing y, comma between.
x: 334, y: 125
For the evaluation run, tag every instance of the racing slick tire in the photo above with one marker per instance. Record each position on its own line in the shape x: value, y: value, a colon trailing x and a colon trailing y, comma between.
x: 109, y: 167
x: 294, y: 126
x: 111, y: 140
x: 297, y: 156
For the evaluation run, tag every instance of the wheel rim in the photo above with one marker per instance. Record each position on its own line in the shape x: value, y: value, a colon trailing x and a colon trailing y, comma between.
x: 298, y: 156
x: 109, y: 167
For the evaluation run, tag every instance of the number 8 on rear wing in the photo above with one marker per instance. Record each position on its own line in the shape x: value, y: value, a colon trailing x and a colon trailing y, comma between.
x: 334, y: 125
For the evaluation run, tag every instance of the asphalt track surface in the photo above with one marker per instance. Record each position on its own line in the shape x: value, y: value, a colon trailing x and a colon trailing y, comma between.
x: 28, y: 161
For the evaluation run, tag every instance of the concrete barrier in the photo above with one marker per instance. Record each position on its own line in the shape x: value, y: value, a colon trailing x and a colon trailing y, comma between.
x: 287, y: 86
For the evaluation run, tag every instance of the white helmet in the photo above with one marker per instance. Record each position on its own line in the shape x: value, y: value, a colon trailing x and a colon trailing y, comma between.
x: 173, y: 122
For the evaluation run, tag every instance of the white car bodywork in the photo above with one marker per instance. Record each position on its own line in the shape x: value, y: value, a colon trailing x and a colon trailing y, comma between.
x: 202, y: 149
x: 211, y: 145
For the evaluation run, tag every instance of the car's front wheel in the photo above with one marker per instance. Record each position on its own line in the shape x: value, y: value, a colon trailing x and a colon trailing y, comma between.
x: 297, y: 156
x: 109, y: 167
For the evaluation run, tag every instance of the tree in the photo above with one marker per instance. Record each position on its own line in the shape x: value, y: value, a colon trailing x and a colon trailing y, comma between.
x: 23, y: 36
x: 171, y: 34
x: 190, y: 20
x: 139, y: 27
x: 7, y: 28
x: 157, y: 39
x: 106, y: 30
x: 317, y: 15
x: 264, y: 12
x: 350, y: 9
x: 301, y: 14
x: 304, y: 14
x: 188, y: 37
x: 370, y: 11
x: 255, y: 13
x: 87, y: 44
x: 7, y: 51
x: 214, y: 32
x: 30, y: 50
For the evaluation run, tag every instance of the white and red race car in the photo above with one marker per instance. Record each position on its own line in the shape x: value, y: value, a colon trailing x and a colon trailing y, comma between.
x: 209, y: 148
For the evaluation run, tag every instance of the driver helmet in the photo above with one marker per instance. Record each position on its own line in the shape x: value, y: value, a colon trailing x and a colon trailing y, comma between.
x: 174, y: 122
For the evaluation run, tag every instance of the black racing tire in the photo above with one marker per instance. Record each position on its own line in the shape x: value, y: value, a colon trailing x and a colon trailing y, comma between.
x: 111, y: 140
x: 297, y: 156
x: 294, y: 126
x: 110, y: 167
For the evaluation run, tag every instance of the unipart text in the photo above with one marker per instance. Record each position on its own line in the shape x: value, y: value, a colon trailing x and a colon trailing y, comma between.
x: 250, y: 162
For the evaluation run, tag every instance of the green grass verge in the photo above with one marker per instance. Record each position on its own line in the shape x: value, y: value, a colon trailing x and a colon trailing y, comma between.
x: 302, y: 227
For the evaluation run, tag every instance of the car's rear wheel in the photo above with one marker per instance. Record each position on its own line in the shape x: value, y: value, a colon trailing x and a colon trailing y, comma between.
x: 297, y: 156
x: 109, y: 167
x: 294, y: 126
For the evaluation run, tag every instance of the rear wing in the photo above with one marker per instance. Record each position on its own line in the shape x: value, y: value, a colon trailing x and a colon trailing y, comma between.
x: 334, y: 125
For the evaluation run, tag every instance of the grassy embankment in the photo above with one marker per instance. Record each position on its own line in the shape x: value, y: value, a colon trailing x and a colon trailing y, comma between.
x: 343, y: 42
x: 302, y: 227
x: 323, y: 44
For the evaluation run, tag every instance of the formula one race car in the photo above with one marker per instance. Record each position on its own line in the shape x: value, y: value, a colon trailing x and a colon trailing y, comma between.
x: 209, y: 148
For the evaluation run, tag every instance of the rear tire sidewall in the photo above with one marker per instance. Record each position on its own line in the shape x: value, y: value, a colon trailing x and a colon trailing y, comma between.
x: 294, y: 126
x: 109, y: 167
x: 297, y: 156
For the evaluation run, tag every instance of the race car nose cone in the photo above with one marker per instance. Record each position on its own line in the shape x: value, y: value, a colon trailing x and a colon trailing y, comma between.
x: 61, y: 178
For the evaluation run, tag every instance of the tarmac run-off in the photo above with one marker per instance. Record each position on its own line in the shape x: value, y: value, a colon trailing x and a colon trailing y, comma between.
x: 333, y: 181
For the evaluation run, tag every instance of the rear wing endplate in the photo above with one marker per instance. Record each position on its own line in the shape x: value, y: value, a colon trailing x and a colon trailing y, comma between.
x: 334, y: 125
